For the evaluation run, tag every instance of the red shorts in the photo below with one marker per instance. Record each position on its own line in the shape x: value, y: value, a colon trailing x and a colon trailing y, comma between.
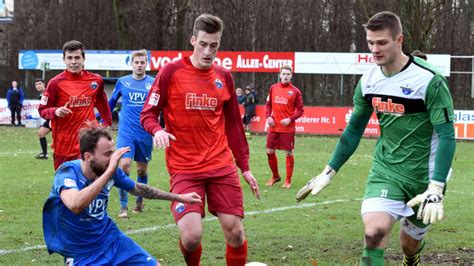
x: 281, y: 141
x: 221, y: 187
x: 59, y: 159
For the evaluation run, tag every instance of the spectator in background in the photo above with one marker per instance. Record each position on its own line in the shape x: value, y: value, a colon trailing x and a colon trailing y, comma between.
x: 15, y: 97
x: 249, y: 105
x: 45, y: 127
x: 240, y: 95
x: 69, y: 101
x: 254, y: 93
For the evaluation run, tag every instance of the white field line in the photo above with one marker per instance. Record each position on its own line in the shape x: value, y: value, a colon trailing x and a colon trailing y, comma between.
x: 155, y: 228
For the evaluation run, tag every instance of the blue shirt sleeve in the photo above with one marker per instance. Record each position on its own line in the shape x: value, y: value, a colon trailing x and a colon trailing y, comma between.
x: 115, y: 95
x: 121, y: 180
x: 65, y: 178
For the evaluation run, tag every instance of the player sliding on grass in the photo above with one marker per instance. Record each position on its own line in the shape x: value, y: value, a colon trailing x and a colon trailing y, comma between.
x: 413, y: 155
x: 75, y: 220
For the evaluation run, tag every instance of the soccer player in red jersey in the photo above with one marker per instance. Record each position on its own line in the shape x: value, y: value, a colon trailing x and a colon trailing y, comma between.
x: 284, y: 105
x: 69, y: 102
x: 204, y: 139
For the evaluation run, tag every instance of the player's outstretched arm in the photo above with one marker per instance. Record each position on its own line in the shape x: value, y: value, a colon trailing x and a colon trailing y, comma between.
x: 316, y: 184
x: 150, y: 192
x: 430, y: 203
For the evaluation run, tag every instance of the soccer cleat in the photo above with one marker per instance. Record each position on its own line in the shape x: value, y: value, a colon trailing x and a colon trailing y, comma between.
x: 272, y: 181
x: 286, y: 185
x: 412, y: 261
x: 139, y: 207
x: 41, y: 156
x: 123, y: 213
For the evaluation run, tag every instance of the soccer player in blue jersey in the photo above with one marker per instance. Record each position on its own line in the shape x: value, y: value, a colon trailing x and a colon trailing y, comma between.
x: 75, y: 220
x: 133, y: 89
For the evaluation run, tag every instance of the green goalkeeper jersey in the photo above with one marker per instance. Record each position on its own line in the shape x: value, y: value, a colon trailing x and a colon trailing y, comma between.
x: 408, y: 105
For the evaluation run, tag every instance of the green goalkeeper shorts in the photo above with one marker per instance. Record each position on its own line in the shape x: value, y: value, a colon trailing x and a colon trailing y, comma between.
x: 391, y: 186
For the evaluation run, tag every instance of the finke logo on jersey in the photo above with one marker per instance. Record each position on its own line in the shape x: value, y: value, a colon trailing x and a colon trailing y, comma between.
x: 203, y: 102
x: 218, y: 83
x: 80, y: 101
x: 281, y: 100
x: 94, y: 85
x: 179, y: 208
x: 44, y: 100
x: 154, y: 99
x: 388, y: 106
x: 406, y: 89
x: 70, y: 182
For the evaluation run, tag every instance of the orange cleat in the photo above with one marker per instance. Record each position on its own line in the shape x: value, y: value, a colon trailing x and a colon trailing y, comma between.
x: 272, y: 181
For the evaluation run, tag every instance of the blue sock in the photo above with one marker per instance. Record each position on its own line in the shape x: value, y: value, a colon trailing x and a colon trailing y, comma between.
x: 144, y: 180
x: 123, y: 198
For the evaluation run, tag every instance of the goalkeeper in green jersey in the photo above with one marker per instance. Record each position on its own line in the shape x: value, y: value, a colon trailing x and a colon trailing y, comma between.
x: 413, y: 155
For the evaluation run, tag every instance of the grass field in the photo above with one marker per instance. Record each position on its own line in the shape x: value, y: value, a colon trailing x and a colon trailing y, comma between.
x: 326, y: 229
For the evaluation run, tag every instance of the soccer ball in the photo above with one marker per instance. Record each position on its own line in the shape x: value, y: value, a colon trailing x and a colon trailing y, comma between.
x: 255, y: 263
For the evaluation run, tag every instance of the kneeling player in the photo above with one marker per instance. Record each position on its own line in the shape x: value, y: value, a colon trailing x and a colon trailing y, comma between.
x: 75, y: 220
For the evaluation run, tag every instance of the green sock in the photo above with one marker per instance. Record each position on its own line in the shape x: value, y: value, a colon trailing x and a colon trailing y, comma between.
x: 372, y: 257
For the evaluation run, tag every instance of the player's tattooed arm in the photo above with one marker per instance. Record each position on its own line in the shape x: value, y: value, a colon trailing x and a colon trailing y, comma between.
x: 150, y: 192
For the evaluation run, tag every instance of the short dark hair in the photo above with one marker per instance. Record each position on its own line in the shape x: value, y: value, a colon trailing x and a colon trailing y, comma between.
x: 385, y: 20
x: 90, y: 136
x: 39, y: 80
x: 419, y: 54
x: 208, y: 23
x: 73, y: 46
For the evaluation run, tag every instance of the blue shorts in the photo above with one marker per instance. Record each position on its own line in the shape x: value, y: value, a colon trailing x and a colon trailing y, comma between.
x: 123, y: 251
x: 140, y: 147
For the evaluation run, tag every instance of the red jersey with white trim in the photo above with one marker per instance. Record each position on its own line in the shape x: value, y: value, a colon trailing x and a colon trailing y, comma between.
x: 200, y: 109
x: 284, y: 101
x: 83, y: 91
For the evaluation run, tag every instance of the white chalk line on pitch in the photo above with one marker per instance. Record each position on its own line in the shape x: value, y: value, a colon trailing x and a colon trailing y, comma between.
x: 155, y: 228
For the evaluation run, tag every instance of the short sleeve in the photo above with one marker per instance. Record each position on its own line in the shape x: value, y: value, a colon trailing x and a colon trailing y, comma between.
x: 65, y: 178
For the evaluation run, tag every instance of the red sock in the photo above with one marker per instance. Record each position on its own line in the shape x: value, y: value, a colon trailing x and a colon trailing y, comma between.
x: 273, y: 163
x: 290, y: 162
x: 192, y: 258
x: 236, y: 256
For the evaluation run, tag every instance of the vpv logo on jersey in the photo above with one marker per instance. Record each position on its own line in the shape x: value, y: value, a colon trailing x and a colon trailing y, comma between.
x: 194, y: 102
x: 388, y: 106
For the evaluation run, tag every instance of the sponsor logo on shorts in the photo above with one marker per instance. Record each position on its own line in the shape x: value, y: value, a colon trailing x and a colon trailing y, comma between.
x: 179, y: 208
x: 154, y: 99
x: 218, y: 83
x: 94, y: 85
x: 44, y: 100
x: 70, y: 183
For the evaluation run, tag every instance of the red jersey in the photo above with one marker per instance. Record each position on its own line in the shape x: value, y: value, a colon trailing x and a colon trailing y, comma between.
x: 200, y: 109
x: 284, y: 101
x: 83, y: 91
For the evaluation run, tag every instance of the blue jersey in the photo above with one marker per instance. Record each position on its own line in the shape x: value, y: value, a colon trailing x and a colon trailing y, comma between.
x: 134, y: 93
x: 90, y: 231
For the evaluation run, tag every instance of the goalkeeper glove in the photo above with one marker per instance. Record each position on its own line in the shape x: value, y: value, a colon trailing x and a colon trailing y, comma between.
x: 431, y: 203
x: 316, y: 184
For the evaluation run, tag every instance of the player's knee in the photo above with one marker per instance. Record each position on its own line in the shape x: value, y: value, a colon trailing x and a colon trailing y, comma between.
x: 270, y: 151
x: 374, y: 238
x: 235, y: 235
x: 191, y: 240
